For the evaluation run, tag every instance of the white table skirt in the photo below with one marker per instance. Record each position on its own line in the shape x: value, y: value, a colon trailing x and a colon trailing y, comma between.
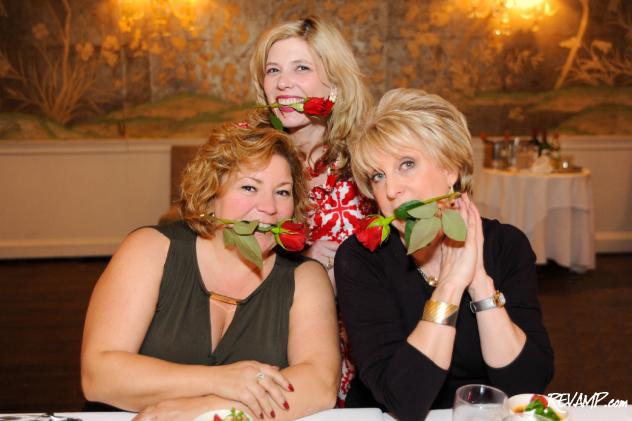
x: 599, y: 413
x: 555, y: 211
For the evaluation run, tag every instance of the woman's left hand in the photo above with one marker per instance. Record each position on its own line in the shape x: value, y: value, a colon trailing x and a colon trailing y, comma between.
x: 459, y: 259
x: 481, y: 281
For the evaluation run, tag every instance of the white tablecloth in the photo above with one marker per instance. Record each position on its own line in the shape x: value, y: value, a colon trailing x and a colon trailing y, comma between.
x: 555, y: 211
x: 360, y: 414
x: 600, y: 413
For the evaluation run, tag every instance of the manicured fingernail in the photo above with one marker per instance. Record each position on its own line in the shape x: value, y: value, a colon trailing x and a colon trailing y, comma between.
x: 290, y: 387
x: 261, y: 415
x: 286, y: 405
x: 272, y: 414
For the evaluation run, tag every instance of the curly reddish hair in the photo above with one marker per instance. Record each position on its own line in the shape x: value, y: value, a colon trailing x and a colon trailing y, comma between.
x: 229, y: 149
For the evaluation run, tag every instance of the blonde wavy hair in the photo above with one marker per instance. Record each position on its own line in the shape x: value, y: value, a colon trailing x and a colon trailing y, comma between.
x: 230, y: 149
x: 412, y: 118
x: 341, y: 69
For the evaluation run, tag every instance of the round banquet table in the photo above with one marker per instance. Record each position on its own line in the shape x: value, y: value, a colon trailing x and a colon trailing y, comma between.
x: 555, y: 211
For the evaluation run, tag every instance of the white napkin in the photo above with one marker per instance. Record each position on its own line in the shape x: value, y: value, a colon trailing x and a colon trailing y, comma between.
x: 542, y: 165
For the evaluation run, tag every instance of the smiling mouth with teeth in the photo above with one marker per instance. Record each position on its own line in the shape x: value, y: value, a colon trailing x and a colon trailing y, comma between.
x: 289, y: 101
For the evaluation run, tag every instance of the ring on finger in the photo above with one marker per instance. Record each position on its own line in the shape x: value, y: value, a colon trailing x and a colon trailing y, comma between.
x: 260, y: 376
x: 329, y: 264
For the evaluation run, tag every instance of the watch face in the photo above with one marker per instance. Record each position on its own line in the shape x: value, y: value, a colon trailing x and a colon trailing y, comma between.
x: 499, y: 299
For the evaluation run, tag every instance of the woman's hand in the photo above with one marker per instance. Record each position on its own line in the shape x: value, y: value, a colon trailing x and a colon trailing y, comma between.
x: 482, y: 285
x: 459, y: 261
x: 323, y: 251
x: 254, y: 384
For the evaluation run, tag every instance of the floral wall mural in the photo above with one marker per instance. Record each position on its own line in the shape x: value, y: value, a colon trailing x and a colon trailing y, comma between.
x: 174, y: 68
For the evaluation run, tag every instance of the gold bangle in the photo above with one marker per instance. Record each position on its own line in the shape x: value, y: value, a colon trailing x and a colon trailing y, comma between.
x: 440, y: 313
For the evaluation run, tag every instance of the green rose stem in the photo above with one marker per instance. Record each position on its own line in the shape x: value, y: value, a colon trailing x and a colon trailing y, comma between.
x: 404, y: 208
x: 423, y: 219
x: 240, y: 234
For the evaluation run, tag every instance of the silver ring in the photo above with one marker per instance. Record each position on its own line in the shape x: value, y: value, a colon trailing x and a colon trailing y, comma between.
x: 260, y: 376
x: 329, y: 264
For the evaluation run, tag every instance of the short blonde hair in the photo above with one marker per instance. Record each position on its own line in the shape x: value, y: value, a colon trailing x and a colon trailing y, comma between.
x: 341, y: 69
x: 412, y: 118
x: 230, y: 149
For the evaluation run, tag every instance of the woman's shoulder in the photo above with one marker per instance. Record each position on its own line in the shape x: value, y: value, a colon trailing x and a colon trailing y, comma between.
x: 154, y: 241
x: 353, y: 247
x: 176, y: 230
x: 311, y: 279
x: 356, y: 262
x: 505, y: 235
x: 298, y: 263
x: 505, y: 245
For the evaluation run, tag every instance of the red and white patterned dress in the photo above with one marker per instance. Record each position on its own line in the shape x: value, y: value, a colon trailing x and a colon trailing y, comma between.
x: 336, y: 208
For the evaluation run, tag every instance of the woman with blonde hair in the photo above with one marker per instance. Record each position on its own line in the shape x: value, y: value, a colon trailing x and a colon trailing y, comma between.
x: 207, y: 313
x: 436, y: 303
x: 308, y: 76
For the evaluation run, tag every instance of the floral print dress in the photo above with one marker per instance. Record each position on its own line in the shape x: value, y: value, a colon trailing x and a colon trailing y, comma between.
x: 337, y: 207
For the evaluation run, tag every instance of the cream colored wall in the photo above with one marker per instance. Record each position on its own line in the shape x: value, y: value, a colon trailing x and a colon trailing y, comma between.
x: 78, y: 198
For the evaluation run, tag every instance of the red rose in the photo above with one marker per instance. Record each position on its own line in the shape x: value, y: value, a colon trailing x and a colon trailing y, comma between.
x: 319, y: 107
x: 291, y: 236
x: 369, y: 235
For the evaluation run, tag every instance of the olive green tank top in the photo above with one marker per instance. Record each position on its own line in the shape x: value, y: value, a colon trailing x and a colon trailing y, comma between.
x: 180, y: 330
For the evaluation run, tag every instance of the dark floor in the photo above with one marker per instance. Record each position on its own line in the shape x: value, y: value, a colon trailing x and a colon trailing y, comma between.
x: 43, y: 303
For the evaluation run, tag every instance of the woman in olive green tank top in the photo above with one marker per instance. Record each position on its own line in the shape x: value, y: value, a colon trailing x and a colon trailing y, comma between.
x: 180, y: 323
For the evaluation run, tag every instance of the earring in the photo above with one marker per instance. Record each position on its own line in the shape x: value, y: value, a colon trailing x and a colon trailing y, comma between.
x: 333, y: 94
x: 452, y: 200
x: 210, y: 216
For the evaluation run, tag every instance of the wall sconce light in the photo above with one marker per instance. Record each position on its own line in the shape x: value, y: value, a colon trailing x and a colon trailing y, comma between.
x: 509, y: 15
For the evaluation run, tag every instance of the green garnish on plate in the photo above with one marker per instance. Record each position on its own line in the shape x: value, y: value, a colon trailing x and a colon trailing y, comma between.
x: 539, y: 406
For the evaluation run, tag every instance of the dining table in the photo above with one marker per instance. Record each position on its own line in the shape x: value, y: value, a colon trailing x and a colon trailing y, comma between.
x: 585, y: 413
x: 554, y: 210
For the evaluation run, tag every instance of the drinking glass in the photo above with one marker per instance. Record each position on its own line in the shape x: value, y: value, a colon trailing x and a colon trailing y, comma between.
x: 478, y: 402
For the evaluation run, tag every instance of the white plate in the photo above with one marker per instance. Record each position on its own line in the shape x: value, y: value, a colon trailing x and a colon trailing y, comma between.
x: 208, y: 416
x: 525, y: 398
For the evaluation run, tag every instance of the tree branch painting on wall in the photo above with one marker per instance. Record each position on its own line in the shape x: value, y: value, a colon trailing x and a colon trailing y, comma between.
x: 600, y: 62
x: 60, y: 86
x: 176, y: 68
x: 573, y: 44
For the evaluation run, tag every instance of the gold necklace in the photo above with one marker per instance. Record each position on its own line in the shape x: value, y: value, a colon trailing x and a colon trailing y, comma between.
x: 430, y: 280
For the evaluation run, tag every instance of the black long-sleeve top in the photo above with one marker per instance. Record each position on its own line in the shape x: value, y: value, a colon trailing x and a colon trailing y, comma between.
x: 381, y: 297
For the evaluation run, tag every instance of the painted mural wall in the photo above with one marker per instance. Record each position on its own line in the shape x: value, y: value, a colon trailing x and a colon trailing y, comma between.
x: 175, y: 68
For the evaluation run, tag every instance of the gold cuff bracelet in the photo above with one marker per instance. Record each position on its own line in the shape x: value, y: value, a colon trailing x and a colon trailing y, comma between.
x: 440, y: 313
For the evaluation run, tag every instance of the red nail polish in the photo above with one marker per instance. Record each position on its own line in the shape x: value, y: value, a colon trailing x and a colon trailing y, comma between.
x: 272, y: 414
x: 286, y: 405
x: 261, y: 415
x: 290, y: 387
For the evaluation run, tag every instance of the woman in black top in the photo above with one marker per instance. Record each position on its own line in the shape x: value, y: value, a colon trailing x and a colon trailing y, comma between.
x: 415, y: 343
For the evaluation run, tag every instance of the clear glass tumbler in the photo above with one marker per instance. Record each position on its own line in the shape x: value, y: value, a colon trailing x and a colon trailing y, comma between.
x: 479, y: 402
